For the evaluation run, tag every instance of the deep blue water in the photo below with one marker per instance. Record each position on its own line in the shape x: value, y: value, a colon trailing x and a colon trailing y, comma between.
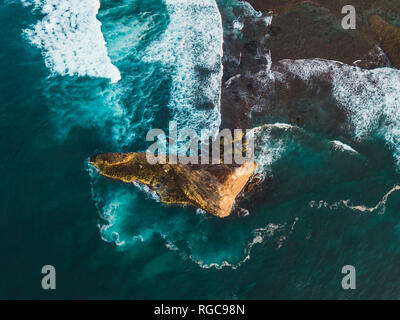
x: 109, y: 240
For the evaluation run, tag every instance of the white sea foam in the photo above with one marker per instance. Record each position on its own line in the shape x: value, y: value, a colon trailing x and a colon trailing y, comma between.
x: 380, y: 208
x: 370, y: 98
x: 71, y: 39
x: 121, y: 113
x: 259, y: 236
x: 278, y: 233
x: 247, y: 9
x: 368, y: 95
x: 192, y: 47
x: 373, y: 99
x: 338, y: 145
x: 270, y: 148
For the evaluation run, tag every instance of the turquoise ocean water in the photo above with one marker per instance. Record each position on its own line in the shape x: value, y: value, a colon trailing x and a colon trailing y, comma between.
x: 76, y: 84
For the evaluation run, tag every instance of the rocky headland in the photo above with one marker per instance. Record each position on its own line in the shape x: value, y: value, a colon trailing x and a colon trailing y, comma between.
x: 212, y: 187
x: 303, y: 69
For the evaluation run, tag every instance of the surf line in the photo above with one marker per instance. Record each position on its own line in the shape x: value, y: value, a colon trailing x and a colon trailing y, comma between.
x: 379, y: 208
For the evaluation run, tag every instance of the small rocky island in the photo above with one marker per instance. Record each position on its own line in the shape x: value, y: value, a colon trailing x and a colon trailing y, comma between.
x: 212, y: 188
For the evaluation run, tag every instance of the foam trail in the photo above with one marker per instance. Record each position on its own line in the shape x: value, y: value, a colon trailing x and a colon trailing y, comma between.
x: 277, y: 233
x: 192, y: 47
x: 379, y: 208
x: 71, y: 39
x: 259, y: 236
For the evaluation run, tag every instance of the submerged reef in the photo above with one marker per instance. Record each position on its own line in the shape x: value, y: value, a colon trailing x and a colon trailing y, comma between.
x: 210, y: 187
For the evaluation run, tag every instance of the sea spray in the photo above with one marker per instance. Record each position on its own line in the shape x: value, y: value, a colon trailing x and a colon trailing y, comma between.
x: 370, y: 99
x: 70, y: 38
x: 192, y: 48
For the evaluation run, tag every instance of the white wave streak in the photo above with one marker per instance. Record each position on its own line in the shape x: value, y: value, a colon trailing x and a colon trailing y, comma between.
x: 192, y: 47
x: 380, y: 208
x: 370, y: 98
x: 70, y: 38
x: 269, y: 148
x: 259, y: 236
x: 340, y: 146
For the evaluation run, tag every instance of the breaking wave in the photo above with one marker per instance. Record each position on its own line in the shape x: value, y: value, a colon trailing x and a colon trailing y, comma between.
x: 369, y: 98
x: 192, y: 47
x: 70, y: 38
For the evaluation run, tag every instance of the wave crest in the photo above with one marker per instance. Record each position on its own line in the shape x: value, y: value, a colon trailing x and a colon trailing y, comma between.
x: 70, y: 38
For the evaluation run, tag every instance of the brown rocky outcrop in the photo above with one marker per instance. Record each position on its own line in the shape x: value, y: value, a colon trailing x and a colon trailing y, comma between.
x: 212, y: 188
x: 312, y: 29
